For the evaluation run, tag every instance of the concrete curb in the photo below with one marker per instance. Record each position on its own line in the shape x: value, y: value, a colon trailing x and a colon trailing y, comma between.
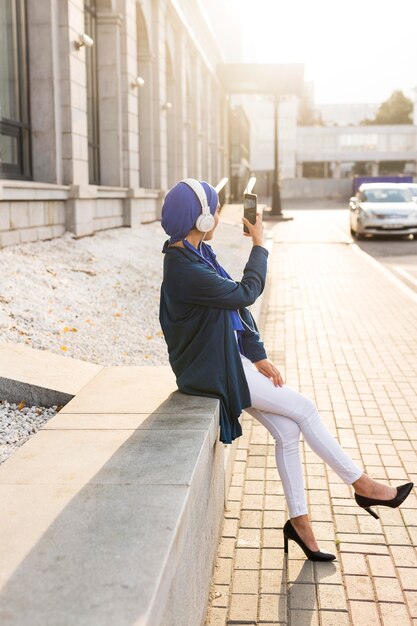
x: 41, y: 377
x: 115, y: 506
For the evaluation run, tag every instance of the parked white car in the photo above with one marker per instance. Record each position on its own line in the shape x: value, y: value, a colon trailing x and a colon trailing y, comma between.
x: 382, y: 209
x: 412, y: 187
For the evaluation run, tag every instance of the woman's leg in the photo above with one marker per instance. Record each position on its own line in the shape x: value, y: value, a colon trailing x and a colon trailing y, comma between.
x: 286, y: 413
x: 276, y: 407
x: 287, y: 455
x: 287, y: 402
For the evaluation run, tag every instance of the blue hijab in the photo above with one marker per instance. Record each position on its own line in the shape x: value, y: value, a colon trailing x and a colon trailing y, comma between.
x: 182, y: 207
x: 180, y: 211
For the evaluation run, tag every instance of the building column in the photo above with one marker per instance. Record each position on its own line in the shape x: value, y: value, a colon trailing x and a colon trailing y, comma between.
x: 211, y: 111
x: 72, y: 85
x: 375, y: 168
x: 336, y: 169
x: 45, y: 100
x: 171, y: 117
x: 73, y: 94
x: 213, y: 141
x: 190, y: 118
x: 224, y: 147
x: 299, y: 170
x: 129, y: 74
x: 110, y: 99
x: 160, y: 166
x: 181, y: 106
x: 199, y: 118
x: 146, y: 124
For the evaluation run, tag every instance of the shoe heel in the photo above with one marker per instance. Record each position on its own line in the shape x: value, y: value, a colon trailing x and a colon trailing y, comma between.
x: 285, y: 545
x: 371, y: 512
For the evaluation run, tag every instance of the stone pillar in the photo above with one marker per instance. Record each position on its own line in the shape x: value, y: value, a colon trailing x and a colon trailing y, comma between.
x: 224, y: 144
x: 146, y: 124
x: 181, y: 106
x: 73, y: 94
x: 299, y: 170
x: 375, y: 168
x: 199, y: 118
x: 129, y: 73
x: 159, y: 96
x: 336, y: 169
x: 45, y: 96
x: 81, y: 209
x: 171, y: 117
x: 213, y: 141
x: 110, y: 99
x: 210, y: 113
x: 190, y: 118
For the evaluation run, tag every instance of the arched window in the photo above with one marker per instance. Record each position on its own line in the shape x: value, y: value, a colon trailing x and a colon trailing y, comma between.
x: 15, y: 148
x: 90, y: 13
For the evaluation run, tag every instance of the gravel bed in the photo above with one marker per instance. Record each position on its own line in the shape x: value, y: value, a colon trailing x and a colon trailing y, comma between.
x: 95, y: 299
x: 18, y: 423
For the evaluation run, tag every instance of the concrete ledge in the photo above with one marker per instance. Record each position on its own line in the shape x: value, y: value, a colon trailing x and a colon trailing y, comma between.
x: 115, y: 506
x: 41, y: 377
x: 14, y: 190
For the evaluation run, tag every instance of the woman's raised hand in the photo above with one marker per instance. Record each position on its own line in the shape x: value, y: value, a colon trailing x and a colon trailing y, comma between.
x: 268, y: 369
x: 256, y: 230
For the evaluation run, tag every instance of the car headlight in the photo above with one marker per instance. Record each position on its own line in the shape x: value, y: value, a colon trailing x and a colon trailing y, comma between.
x: 362, y: 214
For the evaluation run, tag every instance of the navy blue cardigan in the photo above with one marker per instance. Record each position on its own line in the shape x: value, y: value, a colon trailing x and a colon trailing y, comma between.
x: 194, y: 316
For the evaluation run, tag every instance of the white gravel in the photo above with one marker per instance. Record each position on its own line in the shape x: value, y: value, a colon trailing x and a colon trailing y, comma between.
x: 95, y: 299
x: 18, y: 423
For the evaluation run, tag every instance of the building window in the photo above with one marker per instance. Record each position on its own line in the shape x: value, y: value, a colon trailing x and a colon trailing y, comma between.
x: 319, y: 169
x: 359, y: 142
x: 92, y: 94
x: 15, y: 148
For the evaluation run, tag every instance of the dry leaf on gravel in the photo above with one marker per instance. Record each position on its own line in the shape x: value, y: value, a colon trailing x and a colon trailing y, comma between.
x: 89, y: 272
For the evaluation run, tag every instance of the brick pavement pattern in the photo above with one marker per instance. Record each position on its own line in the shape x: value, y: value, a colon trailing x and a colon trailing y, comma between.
x: 343, y: 334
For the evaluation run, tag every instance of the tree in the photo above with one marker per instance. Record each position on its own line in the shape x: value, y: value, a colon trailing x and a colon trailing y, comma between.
x: 307, y: 114
x: 398, y: 109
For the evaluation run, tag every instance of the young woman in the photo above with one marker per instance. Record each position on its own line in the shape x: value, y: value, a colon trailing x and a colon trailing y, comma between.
x: 215, y: 350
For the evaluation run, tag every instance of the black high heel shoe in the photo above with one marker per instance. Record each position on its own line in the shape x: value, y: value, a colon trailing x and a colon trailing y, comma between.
x: 290, y: 533
x: 402, y: 492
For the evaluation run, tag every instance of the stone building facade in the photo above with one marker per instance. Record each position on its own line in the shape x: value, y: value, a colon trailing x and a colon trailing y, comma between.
x: 94, y: 130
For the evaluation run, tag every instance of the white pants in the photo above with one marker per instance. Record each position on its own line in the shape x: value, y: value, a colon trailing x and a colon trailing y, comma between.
x: 286, y: 413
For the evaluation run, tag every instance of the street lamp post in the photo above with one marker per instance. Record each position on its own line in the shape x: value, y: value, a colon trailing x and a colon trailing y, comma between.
x: 276, y: 209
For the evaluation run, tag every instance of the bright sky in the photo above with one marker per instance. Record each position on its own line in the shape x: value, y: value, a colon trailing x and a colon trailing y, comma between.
x: 354, y: 51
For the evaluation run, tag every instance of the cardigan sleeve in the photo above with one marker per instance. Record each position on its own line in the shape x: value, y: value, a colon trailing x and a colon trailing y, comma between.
x: 253, y: 347
x: 201, y: 285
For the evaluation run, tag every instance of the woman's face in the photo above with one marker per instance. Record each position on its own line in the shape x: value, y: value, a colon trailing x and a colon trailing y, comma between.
x: 216, y: 215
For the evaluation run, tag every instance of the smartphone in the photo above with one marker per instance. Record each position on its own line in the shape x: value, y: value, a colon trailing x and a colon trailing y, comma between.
x: 250, y: 205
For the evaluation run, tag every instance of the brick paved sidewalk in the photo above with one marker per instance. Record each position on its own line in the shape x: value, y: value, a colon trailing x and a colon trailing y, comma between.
x: 343, y: 334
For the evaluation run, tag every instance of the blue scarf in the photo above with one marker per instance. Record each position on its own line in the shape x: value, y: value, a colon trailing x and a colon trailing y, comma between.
x: 206, y: 252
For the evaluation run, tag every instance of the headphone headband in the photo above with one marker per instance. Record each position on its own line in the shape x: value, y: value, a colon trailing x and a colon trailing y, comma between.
x: 198, y: 189
x: 205, y: 220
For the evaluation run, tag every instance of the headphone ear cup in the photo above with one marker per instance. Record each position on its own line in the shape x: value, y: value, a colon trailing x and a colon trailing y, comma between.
x: 205, y: 222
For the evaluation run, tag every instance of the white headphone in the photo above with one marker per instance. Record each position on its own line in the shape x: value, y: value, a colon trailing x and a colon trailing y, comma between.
x: 205, y: 221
